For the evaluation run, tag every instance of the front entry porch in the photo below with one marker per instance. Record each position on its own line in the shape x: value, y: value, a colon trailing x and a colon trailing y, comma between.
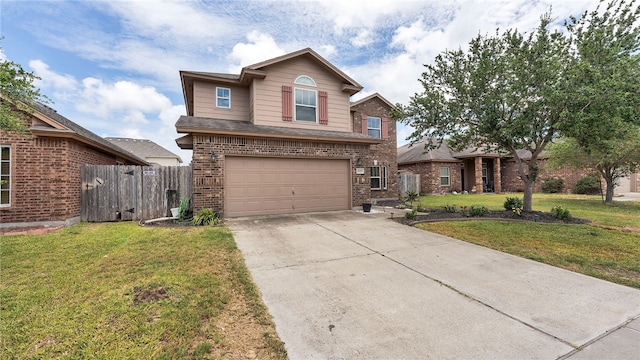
x: 481, y: 175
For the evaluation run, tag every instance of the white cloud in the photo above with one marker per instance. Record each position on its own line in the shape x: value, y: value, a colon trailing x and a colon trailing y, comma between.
x: 259, y: 48
x: 106, y: 99
x: 51, y: 79
x: 3, y: 57
x: 363, y: 38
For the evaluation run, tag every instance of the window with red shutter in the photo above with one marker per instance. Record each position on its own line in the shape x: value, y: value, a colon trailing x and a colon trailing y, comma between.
x: 287, y: 103
x: 323, y: 117
x: 385, y: 128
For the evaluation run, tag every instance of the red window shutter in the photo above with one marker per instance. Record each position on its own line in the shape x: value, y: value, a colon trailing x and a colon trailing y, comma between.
x: 385, y: 128
x: 365, y: 124
x: 323, y: 117
x: 287, y: 103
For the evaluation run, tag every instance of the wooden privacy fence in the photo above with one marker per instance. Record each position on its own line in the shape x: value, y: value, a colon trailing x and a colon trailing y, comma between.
x: 409, y: 182
x: 119, y: 192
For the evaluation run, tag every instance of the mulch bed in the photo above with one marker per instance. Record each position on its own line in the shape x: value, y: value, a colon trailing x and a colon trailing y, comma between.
x: 442, y: 215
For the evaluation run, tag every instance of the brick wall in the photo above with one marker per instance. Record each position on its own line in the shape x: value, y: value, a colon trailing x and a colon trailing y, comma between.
x: 386, y: 153
x: 430, y: 176
x: 208, y: 183
x: 46, y: 177
x: 511, y: 181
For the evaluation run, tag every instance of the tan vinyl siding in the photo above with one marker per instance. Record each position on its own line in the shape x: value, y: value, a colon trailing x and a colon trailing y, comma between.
x: 267, y: 99
x: 204, y: 100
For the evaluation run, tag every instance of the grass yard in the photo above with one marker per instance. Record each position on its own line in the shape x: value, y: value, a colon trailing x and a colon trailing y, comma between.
x: 121, y: 291
x: 608, y: 248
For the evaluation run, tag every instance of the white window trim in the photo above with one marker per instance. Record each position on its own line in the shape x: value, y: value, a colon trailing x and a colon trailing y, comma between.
x: 295, y: 106
x: 10, y: 174
x: 373, y: 128
x: 383, y: 176
x: 222, y: 97
x: 448, y: 177
x: 300, y: 80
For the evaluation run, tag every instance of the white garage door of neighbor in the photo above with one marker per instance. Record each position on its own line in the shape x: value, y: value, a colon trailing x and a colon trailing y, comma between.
x: 265, y: 186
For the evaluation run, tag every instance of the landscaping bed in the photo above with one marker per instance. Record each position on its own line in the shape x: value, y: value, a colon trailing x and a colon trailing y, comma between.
x: 443, y: 215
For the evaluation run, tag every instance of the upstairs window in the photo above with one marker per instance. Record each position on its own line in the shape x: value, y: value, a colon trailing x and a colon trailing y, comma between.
x: 305, y: 80
x: 223, y: 98
x: 305, y: 101
x: 5, y: 175
x: 374, y: 127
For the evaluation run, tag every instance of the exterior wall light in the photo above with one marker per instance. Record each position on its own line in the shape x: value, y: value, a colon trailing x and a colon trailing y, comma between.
x: 212, y: 156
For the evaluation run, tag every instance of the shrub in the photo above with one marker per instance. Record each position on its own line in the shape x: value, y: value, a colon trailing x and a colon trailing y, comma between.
x: 184, y: 211
x: 411, y: 215
x: 552, y: 185
x: 411, y: 196
x: 206, y: 217
x: 450, y: 208
x: 512, y: 202
x: 560, y: 213
x: 477, y: 211
x: 589, y: 185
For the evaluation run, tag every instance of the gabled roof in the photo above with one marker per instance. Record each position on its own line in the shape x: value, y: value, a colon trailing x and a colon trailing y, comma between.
x: 408, y: 154
x: 52, y: 124
x: 143, y: 148
x: 372, y: 96
x: 191, y: 124
x: 257, y: 71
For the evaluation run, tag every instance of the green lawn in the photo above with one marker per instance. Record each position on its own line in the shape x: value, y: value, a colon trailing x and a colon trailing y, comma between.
x: 608, y: 248
x: 121, y: 291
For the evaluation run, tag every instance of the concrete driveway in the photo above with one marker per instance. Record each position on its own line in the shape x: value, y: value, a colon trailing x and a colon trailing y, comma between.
x: 346, y: 285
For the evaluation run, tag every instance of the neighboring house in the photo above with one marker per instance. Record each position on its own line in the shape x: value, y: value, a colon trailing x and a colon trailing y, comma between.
x: 153, y: 153
x: 40, y: 170
x: 629, y: 183
x: 443, y: 170
x: 283, y: 137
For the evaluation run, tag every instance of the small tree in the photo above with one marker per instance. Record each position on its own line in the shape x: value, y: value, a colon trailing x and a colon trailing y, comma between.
x: 613, y: 159
x: 16, y: 92
x: 504, y: 91
x: 605, y: 86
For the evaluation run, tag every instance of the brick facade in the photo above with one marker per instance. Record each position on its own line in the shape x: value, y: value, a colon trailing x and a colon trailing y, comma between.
x: 208, y: 176
x: 430, y: 177
x: 45, y: 178
x: 385, y: 153
x: 511, y: 181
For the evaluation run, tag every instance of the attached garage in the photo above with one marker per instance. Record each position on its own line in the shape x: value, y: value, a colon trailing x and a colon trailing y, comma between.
x: 266, y: 186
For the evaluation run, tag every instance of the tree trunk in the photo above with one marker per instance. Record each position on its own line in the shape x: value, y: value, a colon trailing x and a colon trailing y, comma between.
x: 529, y: 179
x: 527, y: 201
x: 610, y: 187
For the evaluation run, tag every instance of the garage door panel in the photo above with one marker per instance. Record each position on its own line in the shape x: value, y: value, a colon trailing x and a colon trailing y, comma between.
x: 261, y: 186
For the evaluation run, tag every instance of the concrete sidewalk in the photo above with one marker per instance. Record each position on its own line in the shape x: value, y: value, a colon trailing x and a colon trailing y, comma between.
x: 349, y: 285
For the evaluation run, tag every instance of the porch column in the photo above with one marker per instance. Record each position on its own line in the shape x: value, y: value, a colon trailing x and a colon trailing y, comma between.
x: 497, y: 176
x: 478, y: 175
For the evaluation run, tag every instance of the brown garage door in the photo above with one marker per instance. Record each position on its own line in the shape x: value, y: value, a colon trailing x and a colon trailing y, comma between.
x: 263, y: 186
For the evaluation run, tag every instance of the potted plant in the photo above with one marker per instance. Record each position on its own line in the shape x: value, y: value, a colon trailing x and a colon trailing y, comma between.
x: 366, y: 206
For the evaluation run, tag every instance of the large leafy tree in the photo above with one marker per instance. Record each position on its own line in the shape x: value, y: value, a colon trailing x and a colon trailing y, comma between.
x: 605, y: 83
x: 612, y: 159
x: 16, y: 91
x: 505, y: 91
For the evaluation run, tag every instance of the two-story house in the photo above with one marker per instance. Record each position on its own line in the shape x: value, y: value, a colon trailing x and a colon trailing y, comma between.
x: 283, y: 137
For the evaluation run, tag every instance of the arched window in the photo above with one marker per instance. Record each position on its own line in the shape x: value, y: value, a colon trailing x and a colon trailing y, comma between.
x: 305, y: 100
x: 304, y: 80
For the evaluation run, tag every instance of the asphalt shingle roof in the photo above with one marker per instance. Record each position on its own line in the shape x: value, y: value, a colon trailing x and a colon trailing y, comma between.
x: 143, y: 148
x: 209, y: 125
x: 52, y: 114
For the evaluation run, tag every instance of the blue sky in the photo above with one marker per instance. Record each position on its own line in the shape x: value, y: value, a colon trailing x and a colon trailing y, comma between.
x: 112, y: 66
